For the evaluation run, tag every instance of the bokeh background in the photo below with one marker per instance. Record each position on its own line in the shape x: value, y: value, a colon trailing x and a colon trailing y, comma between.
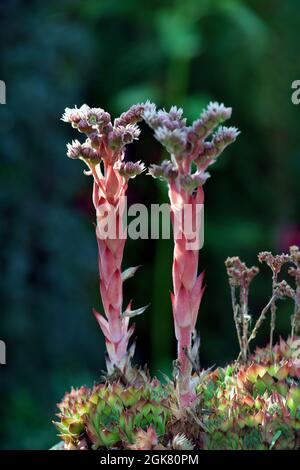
x: 112, y: 54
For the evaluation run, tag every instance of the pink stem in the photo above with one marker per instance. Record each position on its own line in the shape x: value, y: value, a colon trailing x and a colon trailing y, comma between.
x: 188, y: 289
x: 110, y: 249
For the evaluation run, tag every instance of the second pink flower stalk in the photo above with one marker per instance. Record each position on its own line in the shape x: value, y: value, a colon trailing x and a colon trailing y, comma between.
x: 103, y: 153
x: 185, y: 172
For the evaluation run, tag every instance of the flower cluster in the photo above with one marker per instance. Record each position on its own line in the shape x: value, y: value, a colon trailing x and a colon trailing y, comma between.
x: 240, y: 277
x: 101, y: 132
x: 238, y: 273
x: 131, y: 169
x: 187, y: 143
x: 276, y: 262
x: 283, y: 289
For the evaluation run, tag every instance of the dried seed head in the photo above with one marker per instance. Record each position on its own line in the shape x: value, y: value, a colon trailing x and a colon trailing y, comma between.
x: 224, y: 136
x: 85, y: 151
x: 71, y: 115
x: 170, y: 127
x: 149, y: 114
x: 295, y: 273
x: 275, y: 262
x: 173, y: 140
x: 97, y: 117
x: 211, y: 150
x: 74, y: 149
x: 79, y: 118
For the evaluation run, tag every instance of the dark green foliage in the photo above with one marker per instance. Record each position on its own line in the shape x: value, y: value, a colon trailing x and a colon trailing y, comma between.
x: 110, y: 415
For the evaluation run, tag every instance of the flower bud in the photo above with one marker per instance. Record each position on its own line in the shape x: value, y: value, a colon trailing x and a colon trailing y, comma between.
x: 295, y: 273
x: 74, y: 149
x: 150, y: 115
x: 224, y: 136
x: 215, y: 113
x: 174, y: 140
x: 175, y: 114
x: 275, y: 262
x: 132, y: 116
x: 130, y: 133
x: 238, y: 273
x: 95, y: 140
x: 84, y: 127
x: 71, y: 115
x: 97, y: 117
x: 156, y: 171
x: 131, y: 169
x: 88, y: 153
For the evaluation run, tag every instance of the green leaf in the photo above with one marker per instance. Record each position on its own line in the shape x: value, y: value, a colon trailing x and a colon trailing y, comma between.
x: 260, y: 386
x: 275, y: 438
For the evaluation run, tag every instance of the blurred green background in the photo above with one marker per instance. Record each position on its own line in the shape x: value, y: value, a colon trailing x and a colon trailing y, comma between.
x: 112, y: 54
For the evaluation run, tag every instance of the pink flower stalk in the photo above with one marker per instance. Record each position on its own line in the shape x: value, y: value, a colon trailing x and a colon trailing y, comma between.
x: 188, y: 149
x: 103, y: 153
